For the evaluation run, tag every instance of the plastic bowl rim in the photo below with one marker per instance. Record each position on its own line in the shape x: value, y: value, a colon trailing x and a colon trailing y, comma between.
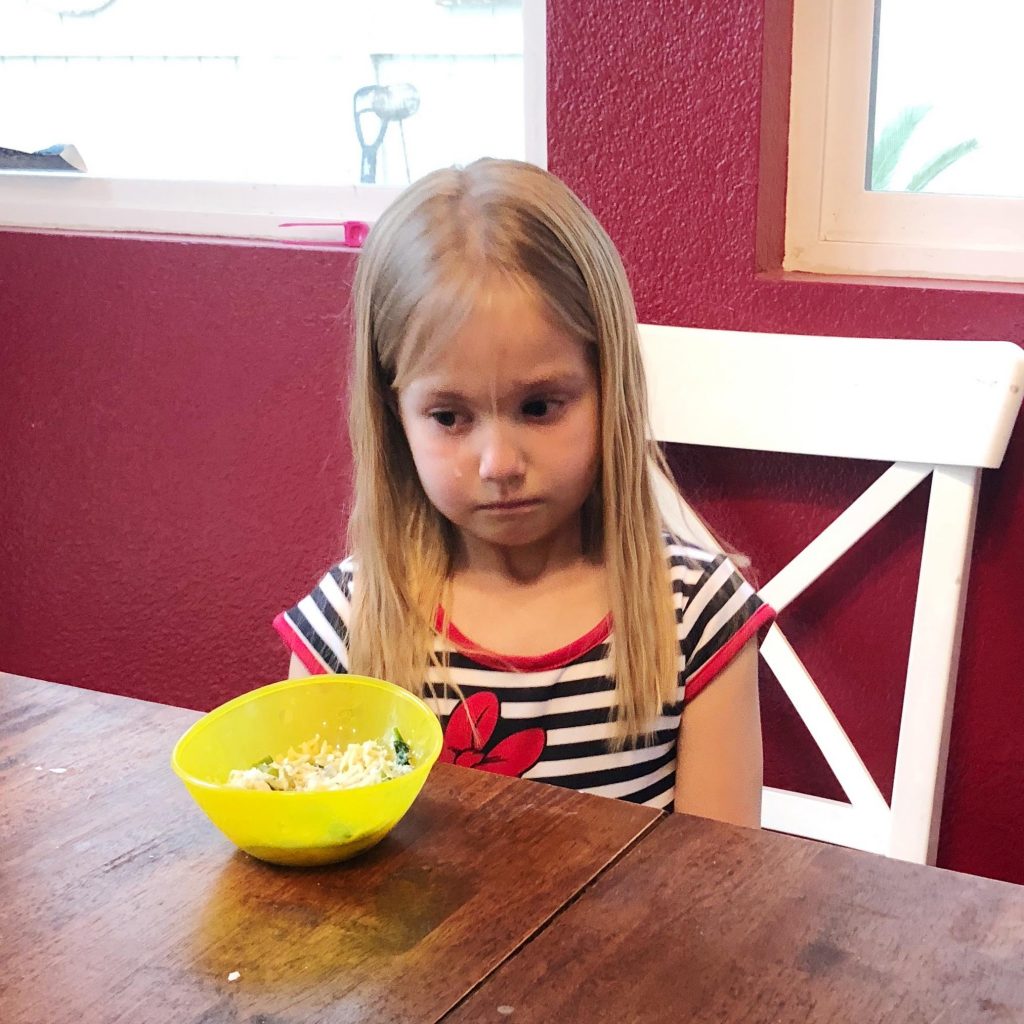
x: 244, y: 698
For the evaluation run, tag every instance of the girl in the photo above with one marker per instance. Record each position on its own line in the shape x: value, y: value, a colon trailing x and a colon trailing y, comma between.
x: 508, y: 560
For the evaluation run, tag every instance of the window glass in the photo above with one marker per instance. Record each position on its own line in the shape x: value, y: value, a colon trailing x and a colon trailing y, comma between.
x: 289, y: 92
x: 948, y: 97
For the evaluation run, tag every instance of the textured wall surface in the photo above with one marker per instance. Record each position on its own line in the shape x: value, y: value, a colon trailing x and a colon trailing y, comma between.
x: 174, y: 468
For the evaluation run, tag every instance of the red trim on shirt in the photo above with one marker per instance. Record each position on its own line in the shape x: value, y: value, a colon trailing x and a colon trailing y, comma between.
x: 296, y: 643
x: 724, y: 655
x: 524, y: 662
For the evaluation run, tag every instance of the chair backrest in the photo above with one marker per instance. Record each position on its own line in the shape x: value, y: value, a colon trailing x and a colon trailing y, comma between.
x: 939, y: 408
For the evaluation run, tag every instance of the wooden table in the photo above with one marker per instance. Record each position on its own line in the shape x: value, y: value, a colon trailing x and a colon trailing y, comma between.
x: 124, y: 904
x: 493, y: 900
x: 702, y: 922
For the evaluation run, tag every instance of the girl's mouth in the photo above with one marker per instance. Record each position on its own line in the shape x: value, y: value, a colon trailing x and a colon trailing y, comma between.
x: 509, y: 506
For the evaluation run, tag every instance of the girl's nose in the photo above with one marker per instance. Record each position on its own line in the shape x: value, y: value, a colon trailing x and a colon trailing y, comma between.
x: 501, y: 460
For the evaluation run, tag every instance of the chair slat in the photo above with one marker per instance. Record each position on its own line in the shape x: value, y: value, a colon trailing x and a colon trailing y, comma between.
x: 830, y: 821
x: 830, y: 737
x: 842, y: 533
x: 919, y: 781
x: 940, y: 402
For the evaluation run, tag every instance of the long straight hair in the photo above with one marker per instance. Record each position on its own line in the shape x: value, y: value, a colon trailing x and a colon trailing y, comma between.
x: 417, y: 279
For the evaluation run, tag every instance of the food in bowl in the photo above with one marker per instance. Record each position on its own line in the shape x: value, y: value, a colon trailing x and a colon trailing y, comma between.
x: 317, y: 765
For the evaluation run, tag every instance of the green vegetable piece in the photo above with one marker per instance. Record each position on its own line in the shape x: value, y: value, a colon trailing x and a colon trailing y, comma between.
x: 401, y: 748
x: 263, y: 762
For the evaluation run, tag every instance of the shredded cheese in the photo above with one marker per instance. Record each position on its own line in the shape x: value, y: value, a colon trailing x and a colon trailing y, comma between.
x: 316, y: 765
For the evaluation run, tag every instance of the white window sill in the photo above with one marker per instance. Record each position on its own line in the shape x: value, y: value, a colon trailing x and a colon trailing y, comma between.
x: 55, y: 201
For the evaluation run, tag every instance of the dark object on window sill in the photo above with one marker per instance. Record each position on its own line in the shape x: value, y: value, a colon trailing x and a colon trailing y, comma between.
x: 388, y: 103
x: 53, y: 158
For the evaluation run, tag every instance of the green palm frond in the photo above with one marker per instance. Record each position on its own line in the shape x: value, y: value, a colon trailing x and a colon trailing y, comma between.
x: 940, y: 163
x: 895, y: 134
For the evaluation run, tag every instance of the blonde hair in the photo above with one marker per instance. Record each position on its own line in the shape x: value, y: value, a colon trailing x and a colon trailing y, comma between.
x: 417, y: 278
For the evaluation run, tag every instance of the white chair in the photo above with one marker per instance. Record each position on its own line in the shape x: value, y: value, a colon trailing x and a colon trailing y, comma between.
x: 938, y: 408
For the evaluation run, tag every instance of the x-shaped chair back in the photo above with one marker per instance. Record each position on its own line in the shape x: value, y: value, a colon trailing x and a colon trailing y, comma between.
x: 943, y: 409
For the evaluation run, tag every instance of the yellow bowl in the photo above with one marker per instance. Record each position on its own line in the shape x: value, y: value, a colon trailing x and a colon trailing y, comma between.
x: 306, y: 828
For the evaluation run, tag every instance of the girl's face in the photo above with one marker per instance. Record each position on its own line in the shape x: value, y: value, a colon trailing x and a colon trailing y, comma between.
x: 503, y: 425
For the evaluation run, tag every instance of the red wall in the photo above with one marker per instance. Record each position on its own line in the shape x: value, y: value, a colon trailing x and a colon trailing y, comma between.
x: 173, y: 469
x: 174, y: 472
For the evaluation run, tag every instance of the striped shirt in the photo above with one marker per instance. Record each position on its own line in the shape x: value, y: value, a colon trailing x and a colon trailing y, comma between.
x: 549, y: 717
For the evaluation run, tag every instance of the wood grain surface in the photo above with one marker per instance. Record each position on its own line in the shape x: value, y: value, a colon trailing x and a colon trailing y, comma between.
x: 704, y: 922
x: 120, y: 902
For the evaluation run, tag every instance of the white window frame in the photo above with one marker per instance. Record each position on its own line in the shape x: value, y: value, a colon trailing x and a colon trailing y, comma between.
x: 833, y: 224
x: 57, y: 201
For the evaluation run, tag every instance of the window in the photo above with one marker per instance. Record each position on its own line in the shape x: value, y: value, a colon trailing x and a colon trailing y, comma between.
x: 233, y: 117
x: 905, y: 156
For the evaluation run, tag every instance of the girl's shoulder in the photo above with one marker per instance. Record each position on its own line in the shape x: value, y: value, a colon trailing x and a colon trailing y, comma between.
x: 717, y: 609
x: 682, y: 553
x: 703, y: 579
x: 339, y: 577
x: 345, y: 569
x: 316, y: 627
x: 331, y: 596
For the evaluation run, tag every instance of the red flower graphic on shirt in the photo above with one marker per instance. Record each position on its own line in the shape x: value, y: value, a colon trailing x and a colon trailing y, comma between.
x: 469, y: 730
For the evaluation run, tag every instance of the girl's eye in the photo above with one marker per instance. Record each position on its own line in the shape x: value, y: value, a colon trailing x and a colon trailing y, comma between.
x: 445, y: 418
x: 540, y: 408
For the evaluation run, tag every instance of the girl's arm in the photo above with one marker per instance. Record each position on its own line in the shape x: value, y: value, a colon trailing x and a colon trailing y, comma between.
x: 719, y: 769
x: 296, y: 670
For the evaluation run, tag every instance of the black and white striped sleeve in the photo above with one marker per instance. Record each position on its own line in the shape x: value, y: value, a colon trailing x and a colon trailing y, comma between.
x: 717, y: 612
x: 316, y: 629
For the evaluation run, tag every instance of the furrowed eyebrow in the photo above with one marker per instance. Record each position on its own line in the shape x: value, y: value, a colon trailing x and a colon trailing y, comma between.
x: 555, y: 382
x: 444, y: 395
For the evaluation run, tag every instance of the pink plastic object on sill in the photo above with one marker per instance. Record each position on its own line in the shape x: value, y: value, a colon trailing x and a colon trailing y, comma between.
x: 355, y: 232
